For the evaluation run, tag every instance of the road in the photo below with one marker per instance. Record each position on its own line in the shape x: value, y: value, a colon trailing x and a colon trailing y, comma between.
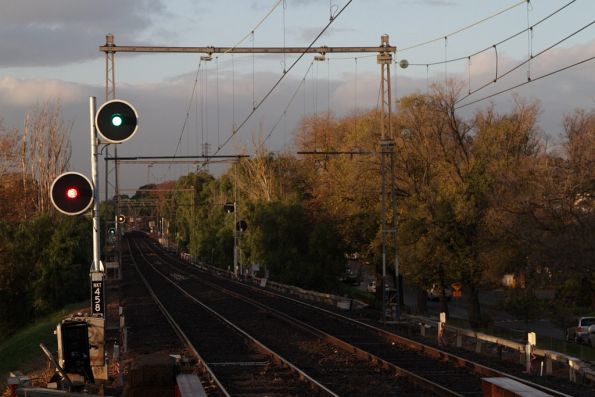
x: 490, y: 301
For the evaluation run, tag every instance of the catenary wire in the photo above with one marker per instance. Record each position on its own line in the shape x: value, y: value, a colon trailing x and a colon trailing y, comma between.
x: 526, y: 82
x: 268, y: 14
x: 446, y: 35
x: 496, y: 44
x: 526, y: 61
x: 463, y: 28
x: 270, y: 91
x: 198, y: 71
x: 297, y: 90
x: 187, y: 114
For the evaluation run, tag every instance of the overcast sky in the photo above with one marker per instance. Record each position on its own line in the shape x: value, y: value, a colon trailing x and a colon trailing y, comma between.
x: 50, y: 51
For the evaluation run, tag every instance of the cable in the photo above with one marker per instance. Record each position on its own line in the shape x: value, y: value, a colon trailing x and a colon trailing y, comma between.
x: 529, y: 39
x: 198, y: 70
x: 284, y: 44
x: 187, y: 113
x: 302, y: 83
x: 525, y: 61
x: 527, y: 82
x: 530, y: 28
x: 464, y: 28
x: 270, y: 91
x: 446, y: 36
x: 255, y: 27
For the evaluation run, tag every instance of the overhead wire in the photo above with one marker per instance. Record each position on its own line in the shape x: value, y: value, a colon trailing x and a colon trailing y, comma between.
x: 442, y: 37
x: 529, y: 39
x: 187, y: 114
x: 463, y: 28
x: 251, y: 32
x: 427, y: 64
x: 526, y: 61
x: 268, y: 14
x: 527, y: 82
x: 276, y: 84
x: 296, y: 91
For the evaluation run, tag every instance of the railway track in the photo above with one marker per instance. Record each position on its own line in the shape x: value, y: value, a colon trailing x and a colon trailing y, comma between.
x: 235, y: 363
x: 457, y: 375
x: 339, y: 370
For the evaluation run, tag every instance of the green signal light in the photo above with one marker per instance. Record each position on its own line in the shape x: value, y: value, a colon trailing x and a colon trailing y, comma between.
x: 117, y: 120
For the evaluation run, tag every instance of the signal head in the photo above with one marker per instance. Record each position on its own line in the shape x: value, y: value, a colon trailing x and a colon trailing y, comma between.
x: 116, y: 121
x: 71, y: 193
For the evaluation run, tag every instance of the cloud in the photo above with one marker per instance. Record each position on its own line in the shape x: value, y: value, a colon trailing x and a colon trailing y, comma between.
x: 58, y: 32
x: 28, y: 93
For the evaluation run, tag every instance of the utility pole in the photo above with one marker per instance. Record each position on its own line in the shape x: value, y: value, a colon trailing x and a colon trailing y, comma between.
x: 388, y: 225
x: 236, y: 271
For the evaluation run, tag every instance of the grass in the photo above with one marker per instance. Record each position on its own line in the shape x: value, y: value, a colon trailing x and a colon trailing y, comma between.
x: 20, y: 350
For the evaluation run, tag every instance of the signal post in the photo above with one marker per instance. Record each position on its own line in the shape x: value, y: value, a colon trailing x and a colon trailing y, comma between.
x: 73, y: 194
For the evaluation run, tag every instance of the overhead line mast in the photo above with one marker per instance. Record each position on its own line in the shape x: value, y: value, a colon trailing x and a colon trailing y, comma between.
x: 110, y: 48
x: 387, y: 142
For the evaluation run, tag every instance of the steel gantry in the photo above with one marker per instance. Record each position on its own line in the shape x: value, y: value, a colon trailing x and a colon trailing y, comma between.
x: 387, y: 142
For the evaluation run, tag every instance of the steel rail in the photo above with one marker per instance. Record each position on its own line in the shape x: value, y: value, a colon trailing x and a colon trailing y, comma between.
x: 416, y: 379
x: 277, y: 357
x: 427, y: 350
x: 202, y: 363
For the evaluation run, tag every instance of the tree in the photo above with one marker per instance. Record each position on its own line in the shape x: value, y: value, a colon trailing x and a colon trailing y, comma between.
x: 456, y: 176
x: 45, y: 152
x: 295, y: 248
x: 344, y: 188
x: 15, y: 278
x: 63, y: 269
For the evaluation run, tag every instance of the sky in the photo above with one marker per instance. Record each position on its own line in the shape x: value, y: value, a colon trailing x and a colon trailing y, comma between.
x: 49, y: 52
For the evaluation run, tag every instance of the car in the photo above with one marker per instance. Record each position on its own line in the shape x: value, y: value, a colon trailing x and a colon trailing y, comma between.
x: 433, y: 293
x: 580, y: 332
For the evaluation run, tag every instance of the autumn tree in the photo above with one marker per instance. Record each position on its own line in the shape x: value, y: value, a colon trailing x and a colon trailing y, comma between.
x: 44, y: 152
x: 456, y: 174
x: 345, y: 184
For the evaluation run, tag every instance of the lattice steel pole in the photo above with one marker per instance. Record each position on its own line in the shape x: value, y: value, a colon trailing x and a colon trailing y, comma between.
x: 387, y: 152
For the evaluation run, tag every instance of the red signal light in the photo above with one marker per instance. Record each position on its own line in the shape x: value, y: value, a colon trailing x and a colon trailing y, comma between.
x: 72, y: 193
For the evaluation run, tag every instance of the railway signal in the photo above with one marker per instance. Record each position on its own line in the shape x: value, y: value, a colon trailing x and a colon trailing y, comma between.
x: 71, y: 193
x: 116, y: 121
x: 120, y: 218
x: 241, y: 226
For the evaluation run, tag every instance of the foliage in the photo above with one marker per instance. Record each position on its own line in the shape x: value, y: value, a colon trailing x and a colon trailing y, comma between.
x: 477, y: 197
x: 43, y: 266
x: 294, y: 248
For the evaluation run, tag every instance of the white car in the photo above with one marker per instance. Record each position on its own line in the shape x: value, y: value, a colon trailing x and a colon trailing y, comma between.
x: 581, y: 332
